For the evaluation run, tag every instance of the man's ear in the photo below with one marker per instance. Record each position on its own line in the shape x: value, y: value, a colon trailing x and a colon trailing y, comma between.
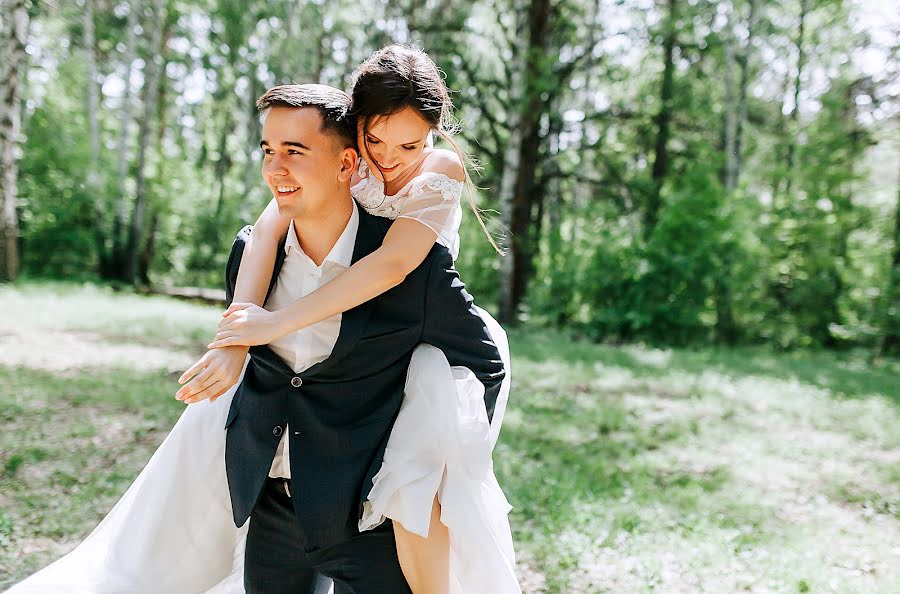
x: 349, y: 159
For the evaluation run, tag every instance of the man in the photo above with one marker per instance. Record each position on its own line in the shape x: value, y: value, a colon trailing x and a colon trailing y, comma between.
x: 308, y: 425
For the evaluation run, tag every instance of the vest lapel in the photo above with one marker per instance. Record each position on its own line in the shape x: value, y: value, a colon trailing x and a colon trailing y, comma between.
x: 264, y: 355
x: 354, y: 321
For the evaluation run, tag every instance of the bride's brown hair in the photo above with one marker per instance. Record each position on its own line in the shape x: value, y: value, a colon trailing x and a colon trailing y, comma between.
x: 400, y: 76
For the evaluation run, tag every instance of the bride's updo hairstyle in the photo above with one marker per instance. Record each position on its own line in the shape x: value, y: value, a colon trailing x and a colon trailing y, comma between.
x: 399, y: 76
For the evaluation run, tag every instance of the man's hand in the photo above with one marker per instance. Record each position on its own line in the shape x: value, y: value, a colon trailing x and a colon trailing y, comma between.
x: 212, y: 375
x: 248, y: 325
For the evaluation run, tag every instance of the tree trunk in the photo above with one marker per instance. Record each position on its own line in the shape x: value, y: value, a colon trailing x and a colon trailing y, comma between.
x: 287, y: 47
x: 93, y: 95
x: 511, y: 154
x: 583, y: 190
x: 117, y: 263
x: 890, y: 336
x: 151, y: 90
x: 517, y: 184
x: 554, y: 187
x: 526, y: 202
x: 148, y: 251
x: 663, y: 123
x: 729, y: 169
x: 251, y: 166
x: 92, y: 108
x: 726, y: 329
x: 795, y: 111
x: 319, y: 67
x: 14, y: 38
x: 223, y: 164
x: 744, y: 61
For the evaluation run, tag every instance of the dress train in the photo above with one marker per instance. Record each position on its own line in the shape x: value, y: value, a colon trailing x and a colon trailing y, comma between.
x: 173, y: 530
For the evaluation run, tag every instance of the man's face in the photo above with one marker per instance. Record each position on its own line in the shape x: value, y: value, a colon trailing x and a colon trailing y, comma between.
x: 305, y: 168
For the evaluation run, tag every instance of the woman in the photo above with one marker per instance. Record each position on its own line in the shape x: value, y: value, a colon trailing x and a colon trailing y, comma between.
x: 186, y: 541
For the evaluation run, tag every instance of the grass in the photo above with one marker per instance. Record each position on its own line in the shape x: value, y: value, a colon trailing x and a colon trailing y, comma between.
x: 630, y: 469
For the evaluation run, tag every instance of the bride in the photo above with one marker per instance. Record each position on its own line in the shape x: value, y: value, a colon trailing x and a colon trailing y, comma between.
x: 173, y: 531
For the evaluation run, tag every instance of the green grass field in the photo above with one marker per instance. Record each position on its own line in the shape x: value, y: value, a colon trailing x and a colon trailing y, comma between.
x: 630, y: 469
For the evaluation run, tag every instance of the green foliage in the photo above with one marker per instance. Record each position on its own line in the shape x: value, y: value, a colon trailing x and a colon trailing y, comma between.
x: 673, y: 293
x: 797, y: 255
x: 58, y: 212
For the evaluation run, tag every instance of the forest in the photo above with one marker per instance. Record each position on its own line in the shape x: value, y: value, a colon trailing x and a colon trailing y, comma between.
x: 673, y: 172
x: 698, y: 205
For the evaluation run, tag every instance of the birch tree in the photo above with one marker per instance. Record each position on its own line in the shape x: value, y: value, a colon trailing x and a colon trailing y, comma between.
x: 890, y: 337
x: 151, y: 91
x: 12, y: 46
x: 116, y: 262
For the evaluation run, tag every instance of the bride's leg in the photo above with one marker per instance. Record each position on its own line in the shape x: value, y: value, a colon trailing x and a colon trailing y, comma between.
x: 425, y: 561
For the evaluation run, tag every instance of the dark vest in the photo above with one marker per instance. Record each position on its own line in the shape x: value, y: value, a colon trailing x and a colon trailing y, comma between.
x: 339, y: 413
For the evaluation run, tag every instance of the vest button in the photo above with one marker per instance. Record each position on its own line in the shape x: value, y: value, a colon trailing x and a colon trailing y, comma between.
x: 296, y: 381
x: 277, y: 431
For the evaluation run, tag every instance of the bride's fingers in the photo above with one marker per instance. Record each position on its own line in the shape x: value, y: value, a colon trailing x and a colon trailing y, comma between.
x: 225, y: 342
x: 222, y: 334
x: 192, y: 370
x: 225, y: 339
x: 235, y: 317
x: 197, y: 383
x: 235, y: 307
x: 188, y: 387
x: 232, y: 320
x: 202, y: 394
x: 222, y: 387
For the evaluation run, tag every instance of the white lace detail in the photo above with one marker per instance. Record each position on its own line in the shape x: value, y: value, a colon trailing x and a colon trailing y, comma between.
x: 431, y: 198
x: 450, y: 189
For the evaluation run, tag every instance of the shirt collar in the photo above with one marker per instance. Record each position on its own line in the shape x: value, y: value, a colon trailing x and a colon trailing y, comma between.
x: 342, y: 251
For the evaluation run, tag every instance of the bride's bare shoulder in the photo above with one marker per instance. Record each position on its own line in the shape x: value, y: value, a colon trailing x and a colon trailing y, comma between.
x: 444, y: 162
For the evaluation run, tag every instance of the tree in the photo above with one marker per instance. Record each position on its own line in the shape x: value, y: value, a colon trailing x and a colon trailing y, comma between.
x: 113, y: 264
x: 663, y: 120
x: 735, y: 114
x: 12, y: 46
x: 151, y: 91
x: 890, y: 337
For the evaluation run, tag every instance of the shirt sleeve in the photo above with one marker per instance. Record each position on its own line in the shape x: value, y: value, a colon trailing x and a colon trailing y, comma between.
x: 453, y: 325
x: 434, y: 200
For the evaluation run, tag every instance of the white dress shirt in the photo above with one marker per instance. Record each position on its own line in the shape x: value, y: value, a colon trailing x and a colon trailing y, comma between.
x: 299, y: 276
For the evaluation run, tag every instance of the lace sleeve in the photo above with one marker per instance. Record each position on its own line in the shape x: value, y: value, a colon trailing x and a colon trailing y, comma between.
x: 434, y: 200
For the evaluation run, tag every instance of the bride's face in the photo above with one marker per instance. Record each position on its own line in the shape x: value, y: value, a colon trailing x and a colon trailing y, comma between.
x: 394, y: 144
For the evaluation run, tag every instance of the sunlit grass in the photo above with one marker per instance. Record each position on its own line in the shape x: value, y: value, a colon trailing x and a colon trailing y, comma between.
x: 635, y: 469
x: 630, y: 469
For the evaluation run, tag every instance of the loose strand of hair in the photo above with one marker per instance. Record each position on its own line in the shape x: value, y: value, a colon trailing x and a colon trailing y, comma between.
x: 467, y: 163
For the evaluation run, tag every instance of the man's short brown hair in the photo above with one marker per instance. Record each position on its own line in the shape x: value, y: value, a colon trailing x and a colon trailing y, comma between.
x: 331, y: 103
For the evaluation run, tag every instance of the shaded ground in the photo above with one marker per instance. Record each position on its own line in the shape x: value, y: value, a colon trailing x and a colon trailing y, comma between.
x: 630, y: 469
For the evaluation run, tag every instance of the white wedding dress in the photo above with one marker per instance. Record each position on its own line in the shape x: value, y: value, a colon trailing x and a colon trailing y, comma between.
x: 172, y: 532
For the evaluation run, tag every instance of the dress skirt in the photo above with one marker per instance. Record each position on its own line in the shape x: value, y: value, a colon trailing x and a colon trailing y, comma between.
x: 173, y: 530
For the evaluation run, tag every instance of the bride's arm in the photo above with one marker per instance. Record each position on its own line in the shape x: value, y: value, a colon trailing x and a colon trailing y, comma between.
x: 258, y: 260
x: 405, y: 246
x: 218, y: 370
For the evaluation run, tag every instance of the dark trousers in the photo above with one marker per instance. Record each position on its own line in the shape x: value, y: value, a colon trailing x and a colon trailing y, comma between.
x: 276, y: 563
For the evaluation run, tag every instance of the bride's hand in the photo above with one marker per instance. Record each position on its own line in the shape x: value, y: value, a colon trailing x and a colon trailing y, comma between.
x: 212, y: 375
x: 248, y: 325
